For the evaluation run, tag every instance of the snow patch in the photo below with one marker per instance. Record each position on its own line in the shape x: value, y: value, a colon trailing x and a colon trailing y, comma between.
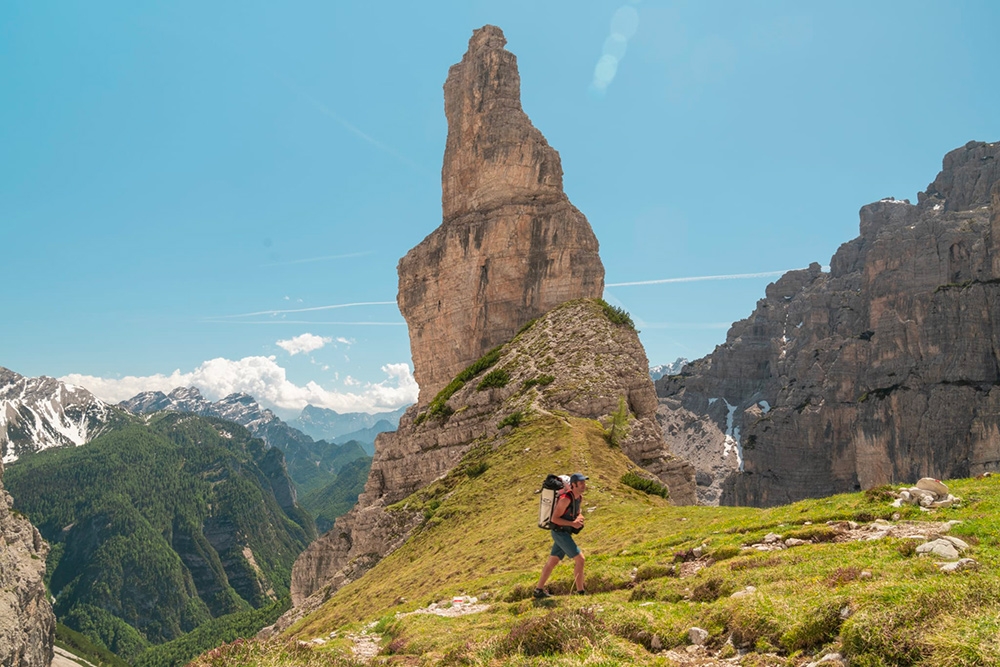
x: 732, y: 442
x: 765, y: 406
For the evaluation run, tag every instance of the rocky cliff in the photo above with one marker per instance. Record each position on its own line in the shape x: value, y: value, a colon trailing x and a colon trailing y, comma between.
x: 27, y: 624
x: 885, y: 369
x: 572, y: 360
x: 511, y: 246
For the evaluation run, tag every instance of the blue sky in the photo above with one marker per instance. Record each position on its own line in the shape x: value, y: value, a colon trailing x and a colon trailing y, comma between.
x: 171, y: 168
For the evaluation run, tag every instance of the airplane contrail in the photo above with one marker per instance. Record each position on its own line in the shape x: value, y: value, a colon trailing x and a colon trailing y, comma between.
x: 298, y: 322
x: 308, y: 310
x: 692, y: 279
x: 322, y: 108
x: 320, y: 259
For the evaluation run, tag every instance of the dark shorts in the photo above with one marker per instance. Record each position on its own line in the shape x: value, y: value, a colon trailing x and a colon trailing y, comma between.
x: 563, y: 545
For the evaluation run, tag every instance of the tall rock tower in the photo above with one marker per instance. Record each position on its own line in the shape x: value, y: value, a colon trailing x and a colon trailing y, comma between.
x: 511, y: 246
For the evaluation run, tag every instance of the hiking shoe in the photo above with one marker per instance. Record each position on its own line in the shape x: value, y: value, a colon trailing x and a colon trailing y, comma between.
x: 581, y: 592
x: 541, y: 594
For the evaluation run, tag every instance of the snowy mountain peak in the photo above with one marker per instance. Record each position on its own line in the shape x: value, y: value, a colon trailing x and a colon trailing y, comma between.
x: 240, y: 408
x: 39, y: 413
x: 656, y: 372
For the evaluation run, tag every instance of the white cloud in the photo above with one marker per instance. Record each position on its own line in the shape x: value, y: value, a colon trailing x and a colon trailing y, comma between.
x: 307, y: 342
x: 345, y: 341
x: 265, y: 380
x: 351, y: 382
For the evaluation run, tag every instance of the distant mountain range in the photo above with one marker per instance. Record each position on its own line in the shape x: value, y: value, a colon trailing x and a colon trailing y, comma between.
x: 326, y: 424
x: 656, y: 372
x: 312, y: 464
x: 239, y: 407
x: 42, y: 413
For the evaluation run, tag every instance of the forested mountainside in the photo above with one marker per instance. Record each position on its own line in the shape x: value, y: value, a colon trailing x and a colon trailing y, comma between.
x: 313, y: 465
x: 156, y: 528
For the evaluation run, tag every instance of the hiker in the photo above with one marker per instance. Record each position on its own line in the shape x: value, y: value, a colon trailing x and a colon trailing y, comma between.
x: 568, y: 521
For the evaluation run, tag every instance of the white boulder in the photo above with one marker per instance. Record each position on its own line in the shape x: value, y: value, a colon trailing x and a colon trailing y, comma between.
x: 933, y: 485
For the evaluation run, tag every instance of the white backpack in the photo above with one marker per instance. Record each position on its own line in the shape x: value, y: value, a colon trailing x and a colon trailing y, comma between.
x: 551, y: 487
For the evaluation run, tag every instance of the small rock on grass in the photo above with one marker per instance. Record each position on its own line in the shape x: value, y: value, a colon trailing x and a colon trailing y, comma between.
x: 961, y: 545
x: 959, y: 565
x: 940, y: 548
x: 828, y: 659
x: 749, y: 590
x: 697, y: 636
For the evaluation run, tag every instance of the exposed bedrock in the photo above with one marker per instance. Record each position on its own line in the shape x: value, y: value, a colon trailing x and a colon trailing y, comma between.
x: 885, y: 369
x: 27, y: 624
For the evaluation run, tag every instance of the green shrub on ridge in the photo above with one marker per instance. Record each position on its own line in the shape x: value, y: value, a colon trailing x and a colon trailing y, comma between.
x: 645, y: 485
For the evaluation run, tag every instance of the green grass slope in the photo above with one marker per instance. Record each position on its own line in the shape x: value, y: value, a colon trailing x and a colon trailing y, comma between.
x: 157, y: 528
x: 479, y: 539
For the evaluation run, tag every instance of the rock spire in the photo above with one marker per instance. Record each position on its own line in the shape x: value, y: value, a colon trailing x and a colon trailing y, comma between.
x: 511, y: 246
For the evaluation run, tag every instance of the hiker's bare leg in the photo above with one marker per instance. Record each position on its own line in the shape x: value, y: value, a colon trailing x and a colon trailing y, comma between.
x: 578, y: 572
x: 550, y: 565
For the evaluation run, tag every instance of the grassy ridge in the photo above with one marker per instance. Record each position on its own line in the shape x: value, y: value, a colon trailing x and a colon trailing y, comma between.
x: 479, y: 539
x: 480, y: 530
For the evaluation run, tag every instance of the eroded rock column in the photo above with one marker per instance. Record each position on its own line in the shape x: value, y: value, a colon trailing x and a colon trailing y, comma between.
x: 511, y: 246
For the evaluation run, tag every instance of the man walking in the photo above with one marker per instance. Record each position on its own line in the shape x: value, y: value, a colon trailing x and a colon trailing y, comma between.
x: 568, y: 520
